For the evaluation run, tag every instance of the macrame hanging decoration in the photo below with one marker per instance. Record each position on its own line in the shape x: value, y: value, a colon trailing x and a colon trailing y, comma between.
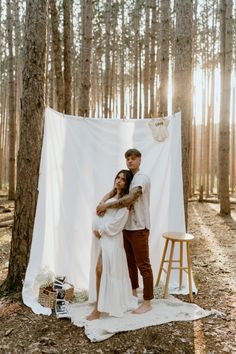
x: 159, y: 129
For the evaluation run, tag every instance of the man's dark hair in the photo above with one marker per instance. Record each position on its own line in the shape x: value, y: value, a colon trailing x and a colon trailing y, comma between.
x: 134, y: 152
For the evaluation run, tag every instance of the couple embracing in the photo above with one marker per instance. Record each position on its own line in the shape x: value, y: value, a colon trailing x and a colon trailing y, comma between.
x: 120, y: 244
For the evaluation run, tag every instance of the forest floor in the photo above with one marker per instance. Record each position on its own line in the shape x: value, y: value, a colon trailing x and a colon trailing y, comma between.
x: 214, y: 264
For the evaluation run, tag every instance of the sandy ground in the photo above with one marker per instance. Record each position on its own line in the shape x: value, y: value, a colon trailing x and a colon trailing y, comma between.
x: 214, y: 265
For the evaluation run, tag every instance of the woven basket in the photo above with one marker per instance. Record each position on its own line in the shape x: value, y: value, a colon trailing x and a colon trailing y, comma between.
x: 48, y: 296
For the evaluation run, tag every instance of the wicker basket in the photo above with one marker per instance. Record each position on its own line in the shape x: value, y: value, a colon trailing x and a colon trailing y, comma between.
x: 47, y: 295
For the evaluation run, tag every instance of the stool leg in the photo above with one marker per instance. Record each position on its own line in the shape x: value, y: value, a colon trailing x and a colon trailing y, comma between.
x: 169, y: 269
x: 189, y: 273
x: 181, y: 265
x: 162, y: 263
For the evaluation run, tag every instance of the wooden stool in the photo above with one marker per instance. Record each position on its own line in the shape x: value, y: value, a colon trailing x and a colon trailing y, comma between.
x: 181, y: 238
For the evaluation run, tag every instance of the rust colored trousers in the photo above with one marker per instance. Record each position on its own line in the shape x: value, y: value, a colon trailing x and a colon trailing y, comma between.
x: 137, y: 252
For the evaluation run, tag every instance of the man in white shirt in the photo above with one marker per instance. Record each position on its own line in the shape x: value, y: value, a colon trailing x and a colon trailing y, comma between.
x: 136, y: 232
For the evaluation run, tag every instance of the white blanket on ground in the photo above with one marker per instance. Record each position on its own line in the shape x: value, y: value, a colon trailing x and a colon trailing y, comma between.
x: 163, y: 311
x: 80, y: 158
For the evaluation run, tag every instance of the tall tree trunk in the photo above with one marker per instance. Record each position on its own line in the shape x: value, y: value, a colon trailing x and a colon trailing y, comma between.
x: 1, y: 110
x: 113, y: 77
x: 47, y: 62
x: 203, y: 135
x: 147, y: 59
x: 183, y: 84
x: 30, y: 141
x: 207, y: 97
x: 212, y: 101
x: 212, y: 111
x: 232, y: 174
x: 122, y: 63
x: 6, y: 136
x: 51, y: 82
x: 194, y: 155
x: 226, y: 63
x: 152, y: 112
x: 67, y: 54
x: 94, y: 85
x: 140, y: 79
x: 57, y: 56
x: 113, y: 65
x: 73, y: 63
x: 136, y: 52
x: 107, y: 57
x: 85, y: 55
x: 18, y: 76
x: 3, y: 127
x: 164, y: 72
x: 11, y: 107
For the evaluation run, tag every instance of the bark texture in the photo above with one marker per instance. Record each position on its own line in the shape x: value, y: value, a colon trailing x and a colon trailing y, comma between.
x: 30, y: 141
x: 183, y: 84
x: 85, y: 55
x: 164, y: 72
x: 67, y: 54
x: 57, y: 55
x: 11, y: 106
x: 226, y: 67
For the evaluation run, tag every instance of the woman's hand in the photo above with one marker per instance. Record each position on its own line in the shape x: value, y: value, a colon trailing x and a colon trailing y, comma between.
x: 96, y: 234
x: 101, y: 209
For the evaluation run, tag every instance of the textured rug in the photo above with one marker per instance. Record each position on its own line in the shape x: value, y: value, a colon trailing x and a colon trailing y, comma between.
x: 163, y: 311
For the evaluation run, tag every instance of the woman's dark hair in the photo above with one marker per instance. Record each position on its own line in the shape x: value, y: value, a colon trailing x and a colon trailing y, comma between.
x: 128, y: 178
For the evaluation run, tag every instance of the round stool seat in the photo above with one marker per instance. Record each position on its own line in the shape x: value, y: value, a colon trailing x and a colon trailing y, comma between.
x: 178, y: 236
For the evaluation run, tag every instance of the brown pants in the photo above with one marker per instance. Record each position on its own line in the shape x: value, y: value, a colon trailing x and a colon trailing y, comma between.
x: 137, y: 252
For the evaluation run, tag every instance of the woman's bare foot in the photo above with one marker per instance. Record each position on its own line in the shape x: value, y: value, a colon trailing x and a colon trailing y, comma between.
x: 144, y: 307
x: 94, y: 315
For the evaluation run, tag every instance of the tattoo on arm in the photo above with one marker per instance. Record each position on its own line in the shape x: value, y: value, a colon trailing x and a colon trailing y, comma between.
x: 127, y: 200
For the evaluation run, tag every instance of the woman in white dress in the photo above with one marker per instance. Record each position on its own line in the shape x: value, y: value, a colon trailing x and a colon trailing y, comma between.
x: 109, y: 285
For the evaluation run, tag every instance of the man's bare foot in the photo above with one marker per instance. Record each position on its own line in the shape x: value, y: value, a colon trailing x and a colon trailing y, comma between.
x: 135, y: 292
x: 94, y: 315
x: 144, y: 307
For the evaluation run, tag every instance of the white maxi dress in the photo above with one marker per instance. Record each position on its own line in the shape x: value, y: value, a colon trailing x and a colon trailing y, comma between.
x: 115, y: 294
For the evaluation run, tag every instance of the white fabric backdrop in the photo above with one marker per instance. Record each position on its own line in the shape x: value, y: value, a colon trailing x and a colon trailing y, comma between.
x: 79, y: 160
